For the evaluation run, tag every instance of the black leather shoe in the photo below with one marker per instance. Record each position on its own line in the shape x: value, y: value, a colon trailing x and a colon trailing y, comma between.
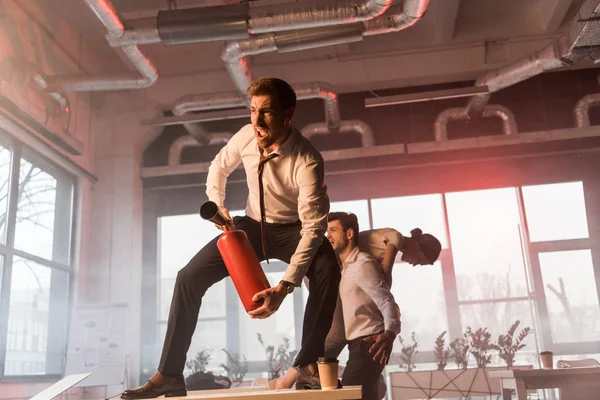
x: 158, y: 385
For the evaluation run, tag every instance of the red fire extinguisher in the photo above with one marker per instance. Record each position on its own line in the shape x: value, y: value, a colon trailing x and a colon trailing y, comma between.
x: 240, y: 259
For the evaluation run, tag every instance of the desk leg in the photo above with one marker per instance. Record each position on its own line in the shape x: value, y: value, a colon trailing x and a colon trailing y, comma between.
x: 521, y: 389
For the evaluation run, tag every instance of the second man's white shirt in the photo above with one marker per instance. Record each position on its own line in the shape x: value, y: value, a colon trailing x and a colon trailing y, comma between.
x: 368, y: 306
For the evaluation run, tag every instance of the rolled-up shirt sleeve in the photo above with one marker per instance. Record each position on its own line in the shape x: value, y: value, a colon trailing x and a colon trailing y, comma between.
x: 313, y: 207
x: 371, y: 280
x: 393, y: 237
x: 224, y: 163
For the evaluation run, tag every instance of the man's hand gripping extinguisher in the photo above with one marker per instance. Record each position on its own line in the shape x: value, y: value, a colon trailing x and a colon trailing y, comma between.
x: 240, y: 259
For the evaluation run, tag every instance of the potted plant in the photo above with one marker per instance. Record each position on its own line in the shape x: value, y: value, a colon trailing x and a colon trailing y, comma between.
x: 278, y: 359
x: 200, y: 362
x: 441, y: 352
x: 408, y: 353
x: 479, y: 342
x: 460, y: 350
x: 236, y: 368
x: 508, y: 345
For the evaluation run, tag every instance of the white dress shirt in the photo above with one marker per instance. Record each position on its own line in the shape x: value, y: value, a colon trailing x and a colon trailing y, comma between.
x: 368, y: 306
x: 374, y: 241
x: 294, y: 189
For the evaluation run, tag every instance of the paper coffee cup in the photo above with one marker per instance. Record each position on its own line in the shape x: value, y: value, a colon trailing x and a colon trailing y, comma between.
x: 328, y: 372
x: 546, y: 358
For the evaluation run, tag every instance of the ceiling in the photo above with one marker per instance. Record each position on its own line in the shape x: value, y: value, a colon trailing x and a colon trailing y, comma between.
x: 471, y: 36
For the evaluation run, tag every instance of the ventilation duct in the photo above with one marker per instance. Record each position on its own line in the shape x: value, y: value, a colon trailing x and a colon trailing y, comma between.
x: 351, y: 126
x: 584, y: 32
x: 183, y: 142
x: 581, y: 112
x: 234, y: 22
x: 509, y: 124
x: 219, y: 101
x: 106, y: 13
x: 235, y: 53
x: 187, y: 104
x: 22, y: 88
x: 543, y: 60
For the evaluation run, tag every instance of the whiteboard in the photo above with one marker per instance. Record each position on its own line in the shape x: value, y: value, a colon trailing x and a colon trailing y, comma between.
x: 98, y: 343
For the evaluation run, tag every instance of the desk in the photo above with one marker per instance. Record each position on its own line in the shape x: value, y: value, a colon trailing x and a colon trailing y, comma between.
x: 260, y: 393
x: 523, y: 380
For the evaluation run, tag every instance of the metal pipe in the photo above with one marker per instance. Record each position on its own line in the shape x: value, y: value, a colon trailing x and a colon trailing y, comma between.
x: 59, y: 97
x: 412, y: 12
x: 543, y: 60
x: 235, y: 53
x: 219, y: 101
x: 581, y: 112
x: 236, y: 22
x: 182, y: 142
x: 324, y: 91
x: 107, y: 14
x: 509, y: 124
x: 350, y: 126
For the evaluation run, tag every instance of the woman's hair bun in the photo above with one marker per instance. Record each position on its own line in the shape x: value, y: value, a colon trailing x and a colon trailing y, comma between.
x: 416, y: 233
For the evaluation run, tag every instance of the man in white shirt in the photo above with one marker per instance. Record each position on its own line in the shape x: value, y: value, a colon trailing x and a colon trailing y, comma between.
x: 371, y: 316
x: 286, y: 218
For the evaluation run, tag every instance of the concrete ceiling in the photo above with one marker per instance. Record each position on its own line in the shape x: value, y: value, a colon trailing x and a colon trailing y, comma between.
x: 457, y: 39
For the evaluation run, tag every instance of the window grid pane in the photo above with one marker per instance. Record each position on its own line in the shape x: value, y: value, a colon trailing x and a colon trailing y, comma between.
x: 555, y: 211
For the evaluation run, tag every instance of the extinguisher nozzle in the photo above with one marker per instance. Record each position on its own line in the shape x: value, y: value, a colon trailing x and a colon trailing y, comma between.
x: 210, y: 212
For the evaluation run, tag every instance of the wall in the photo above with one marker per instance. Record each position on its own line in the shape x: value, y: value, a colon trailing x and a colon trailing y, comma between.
x: 25, y: 36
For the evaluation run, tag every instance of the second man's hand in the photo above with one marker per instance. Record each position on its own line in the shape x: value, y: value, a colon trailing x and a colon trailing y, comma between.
x: 381, y: 347
x: 272, y: 299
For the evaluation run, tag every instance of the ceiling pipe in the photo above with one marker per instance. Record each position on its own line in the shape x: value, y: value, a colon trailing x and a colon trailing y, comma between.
x: 509, y: 125
x: 219, y: 101
x: 351, y: 126
x: 545, y: 59
x: 239, y: 21
x: 107, y: 14
x: 182, y: 142
x: 235, y: 53
x: 581, y: 112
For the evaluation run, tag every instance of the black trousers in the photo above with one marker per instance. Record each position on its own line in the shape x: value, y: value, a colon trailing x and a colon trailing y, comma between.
x: 361, y: 369
x: 207, y: 268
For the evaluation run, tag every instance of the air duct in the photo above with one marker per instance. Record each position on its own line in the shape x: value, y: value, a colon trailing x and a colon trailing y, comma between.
x: 183, y: 142
x: 235, y: 22
x: 219, y: 101
x: 106, y: 13
x: 235, y: 53
x: 22, y: 87
x: 581, y: 112
x: 509, y: 124
x: 543, y: 60
x: 351, y: 126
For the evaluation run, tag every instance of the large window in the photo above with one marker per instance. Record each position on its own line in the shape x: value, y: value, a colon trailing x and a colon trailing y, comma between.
x: 36, y: 209
x: 508, y: 254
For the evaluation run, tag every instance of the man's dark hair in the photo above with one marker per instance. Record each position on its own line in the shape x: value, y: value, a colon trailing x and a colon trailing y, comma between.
x: 274, y: 87
x: 347, y: 221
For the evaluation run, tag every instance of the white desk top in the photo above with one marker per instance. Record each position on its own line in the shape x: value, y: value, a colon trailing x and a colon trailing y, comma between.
x: 345, y: 393
x: 527, y: 373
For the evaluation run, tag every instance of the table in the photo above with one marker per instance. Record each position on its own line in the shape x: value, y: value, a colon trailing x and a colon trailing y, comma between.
x: 260, y: 393
x: 523, y: 380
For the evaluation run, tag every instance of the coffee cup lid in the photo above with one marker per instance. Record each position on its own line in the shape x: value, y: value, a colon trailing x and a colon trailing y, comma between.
x: 327, y: 360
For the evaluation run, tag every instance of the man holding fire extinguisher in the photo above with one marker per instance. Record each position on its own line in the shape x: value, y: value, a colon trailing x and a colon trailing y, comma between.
x: 286, y: 219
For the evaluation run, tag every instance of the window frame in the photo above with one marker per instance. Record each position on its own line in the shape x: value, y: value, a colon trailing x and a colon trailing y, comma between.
x: 64, y: 232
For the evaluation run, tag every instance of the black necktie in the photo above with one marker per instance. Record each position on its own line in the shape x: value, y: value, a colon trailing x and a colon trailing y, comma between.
x: 261, y: 166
